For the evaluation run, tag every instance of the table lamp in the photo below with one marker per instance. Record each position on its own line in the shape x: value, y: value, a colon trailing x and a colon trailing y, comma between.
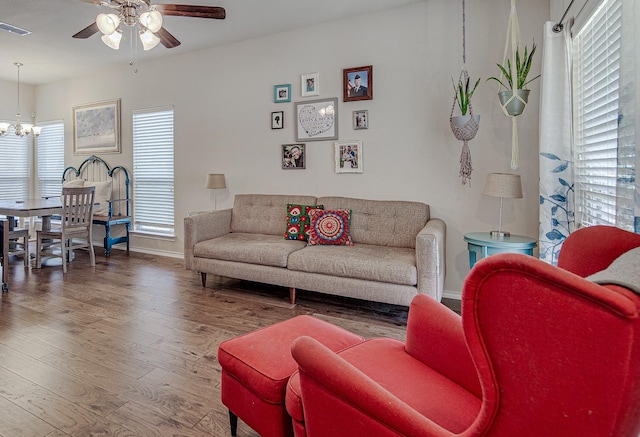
x: 215, y: 182
x: 502, y: 185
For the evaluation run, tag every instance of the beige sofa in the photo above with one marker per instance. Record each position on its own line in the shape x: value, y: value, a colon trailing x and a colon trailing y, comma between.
x: 398, y: 251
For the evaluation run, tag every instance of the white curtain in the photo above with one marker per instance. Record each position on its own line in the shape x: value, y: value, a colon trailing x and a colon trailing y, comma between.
x: 557, y: 214
x: 628, y: 158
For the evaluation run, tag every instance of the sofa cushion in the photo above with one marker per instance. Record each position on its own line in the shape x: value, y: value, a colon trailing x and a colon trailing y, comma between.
x: 268, y: 250
x: 298, y: 221
x: 382, y: 222
x: 101, y: 197
x: 263, y: 213
x: 330, y: 227
x: 393, y: 265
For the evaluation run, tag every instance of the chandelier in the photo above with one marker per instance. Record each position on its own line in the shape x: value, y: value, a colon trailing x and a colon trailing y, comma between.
x: 148, y: 22
x: 20, y: 129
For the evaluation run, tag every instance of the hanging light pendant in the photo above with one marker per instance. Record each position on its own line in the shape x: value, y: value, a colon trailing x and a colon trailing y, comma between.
x: 20, y: 129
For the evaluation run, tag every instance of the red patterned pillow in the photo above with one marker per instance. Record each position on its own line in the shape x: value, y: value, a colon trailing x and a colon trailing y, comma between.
x: 298, y: 221
x: 330, y: 227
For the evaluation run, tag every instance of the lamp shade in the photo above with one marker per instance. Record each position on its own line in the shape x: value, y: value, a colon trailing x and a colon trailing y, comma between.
x: 215, y: 181
x: 503, y: 185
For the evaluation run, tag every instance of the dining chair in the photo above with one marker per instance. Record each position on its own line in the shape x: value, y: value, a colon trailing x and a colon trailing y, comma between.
x: 16, y: 247
x: 75, y: 223
x: 4, y: 244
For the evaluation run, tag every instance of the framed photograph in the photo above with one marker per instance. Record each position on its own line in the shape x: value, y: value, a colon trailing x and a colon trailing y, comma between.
x: 282, y: 93
x: 361, y: 119
x: 358, y: 83
x: 348, y: 156
x: 292, y: 156
x: 310, y: 84
x: 96, y: 128
x: 317, y: 120
x: 277, y: 120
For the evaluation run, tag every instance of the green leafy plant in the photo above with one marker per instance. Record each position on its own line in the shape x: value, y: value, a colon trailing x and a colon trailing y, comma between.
x: 464, y: 93
x: 523, y: 67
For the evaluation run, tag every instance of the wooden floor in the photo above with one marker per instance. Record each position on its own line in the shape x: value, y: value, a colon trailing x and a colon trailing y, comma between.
x: 128, y: 348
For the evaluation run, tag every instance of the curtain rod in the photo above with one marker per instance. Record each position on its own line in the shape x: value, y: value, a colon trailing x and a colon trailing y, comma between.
x: 559, y: 26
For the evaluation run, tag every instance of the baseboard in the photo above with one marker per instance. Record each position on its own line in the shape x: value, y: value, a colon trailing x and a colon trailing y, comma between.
x: 457, y: 295
x: 154, y: 252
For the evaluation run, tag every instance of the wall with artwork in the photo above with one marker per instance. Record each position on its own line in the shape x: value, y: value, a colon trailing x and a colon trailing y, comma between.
x: 225, y: 99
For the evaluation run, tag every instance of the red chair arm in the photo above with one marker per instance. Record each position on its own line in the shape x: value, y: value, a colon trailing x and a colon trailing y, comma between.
x: 339, y: 400
x: 590, y: 250
x: 435, y: 337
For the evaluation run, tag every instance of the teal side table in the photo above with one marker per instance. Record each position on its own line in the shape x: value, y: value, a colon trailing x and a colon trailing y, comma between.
x: 482, y: 244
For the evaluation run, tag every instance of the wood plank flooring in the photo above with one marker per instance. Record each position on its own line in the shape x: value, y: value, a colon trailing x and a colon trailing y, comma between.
x: 128, y: 348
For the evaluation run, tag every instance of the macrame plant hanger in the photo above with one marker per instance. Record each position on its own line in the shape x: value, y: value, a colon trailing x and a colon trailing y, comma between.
x: 468, y: 130
x: 513, y: 42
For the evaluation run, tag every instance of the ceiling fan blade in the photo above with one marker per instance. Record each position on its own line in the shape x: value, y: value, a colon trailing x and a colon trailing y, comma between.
x: 167, y: 40
x: 192, y: 11
x: 87, y: 31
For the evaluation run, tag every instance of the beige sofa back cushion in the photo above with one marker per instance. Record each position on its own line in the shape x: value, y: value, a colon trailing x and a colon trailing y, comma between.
x: 382, y: 222
x: 264, y: 213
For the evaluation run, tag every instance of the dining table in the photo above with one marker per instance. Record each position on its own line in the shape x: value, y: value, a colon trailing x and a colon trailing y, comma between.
x: 43, y: 207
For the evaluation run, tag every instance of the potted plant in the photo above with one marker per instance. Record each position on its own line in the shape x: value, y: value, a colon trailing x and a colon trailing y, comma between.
x: 515, y: 106
x: 463, y: 93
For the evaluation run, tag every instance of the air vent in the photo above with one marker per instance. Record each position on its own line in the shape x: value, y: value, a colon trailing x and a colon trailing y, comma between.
x: 13, y: 29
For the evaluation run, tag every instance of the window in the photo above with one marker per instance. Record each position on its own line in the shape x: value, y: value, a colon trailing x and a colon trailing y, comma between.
x: 604, y: 161
x: 50, y: 160
x: 15, y: 166
x: 153, y: 196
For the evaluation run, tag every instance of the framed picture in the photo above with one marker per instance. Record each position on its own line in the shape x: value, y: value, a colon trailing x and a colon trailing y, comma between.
x: 96, y: 128
x: 358, y: 83
x: 310, y: 84
x: 361, y: 119
x: 277, y: 120
x: 293, y: 156
x: 282, y: 93
x: 317, y: 120
x: 348, y: 156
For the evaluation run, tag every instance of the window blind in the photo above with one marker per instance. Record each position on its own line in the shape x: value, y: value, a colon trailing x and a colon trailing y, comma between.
x: 15, y: 166
x: 153, y: 175
x: 596, y: 74
x: 50, y: 159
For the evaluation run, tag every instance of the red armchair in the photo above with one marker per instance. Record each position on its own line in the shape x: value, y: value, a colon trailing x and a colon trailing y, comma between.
x: 538, y: 351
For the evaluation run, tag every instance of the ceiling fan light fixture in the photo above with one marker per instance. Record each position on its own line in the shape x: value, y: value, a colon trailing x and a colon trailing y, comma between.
x: 107, y: 23
x: 149, y: 40
x: 113, y: 40
x: 152, y: 20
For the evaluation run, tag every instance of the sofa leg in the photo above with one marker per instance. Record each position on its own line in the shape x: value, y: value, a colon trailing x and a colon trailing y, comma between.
x: 203, y: 277
x: 292, y: 295
x: 233, y: 422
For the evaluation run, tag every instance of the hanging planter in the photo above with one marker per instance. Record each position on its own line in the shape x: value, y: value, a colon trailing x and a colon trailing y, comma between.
x: 465, y: 126
x: 514, y: 100
x: 514, y: 105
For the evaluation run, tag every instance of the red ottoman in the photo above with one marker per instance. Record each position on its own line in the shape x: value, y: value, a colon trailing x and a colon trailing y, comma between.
x: 256, y: 367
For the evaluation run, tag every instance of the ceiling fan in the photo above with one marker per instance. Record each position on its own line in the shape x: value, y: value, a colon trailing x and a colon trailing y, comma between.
x: 147, y: 17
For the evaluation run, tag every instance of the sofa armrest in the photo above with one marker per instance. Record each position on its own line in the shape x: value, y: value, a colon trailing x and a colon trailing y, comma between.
x: 357, y: 405
x: 430, y: 258
x: 435, y: 338
x: 202, y: 227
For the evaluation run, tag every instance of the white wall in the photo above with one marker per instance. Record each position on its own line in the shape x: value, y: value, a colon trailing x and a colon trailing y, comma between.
x: 223, y: 98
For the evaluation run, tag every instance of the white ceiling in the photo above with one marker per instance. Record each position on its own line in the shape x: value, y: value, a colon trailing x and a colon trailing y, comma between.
x: 50, y: 53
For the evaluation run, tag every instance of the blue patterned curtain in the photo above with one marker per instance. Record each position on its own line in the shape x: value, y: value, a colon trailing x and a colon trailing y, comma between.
x: 557, y: 213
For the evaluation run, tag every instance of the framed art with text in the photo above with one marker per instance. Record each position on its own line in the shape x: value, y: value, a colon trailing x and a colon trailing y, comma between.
x: 317, y: 120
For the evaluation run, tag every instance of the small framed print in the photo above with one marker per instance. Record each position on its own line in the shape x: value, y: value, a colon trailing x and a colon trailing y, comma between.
x: 293, y: 156
x: 358, y: 83
x: 282, y: 93
x: 360, y: 119
x: 348, y: 156
x: 277, y: 120
x: 310, y: 84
